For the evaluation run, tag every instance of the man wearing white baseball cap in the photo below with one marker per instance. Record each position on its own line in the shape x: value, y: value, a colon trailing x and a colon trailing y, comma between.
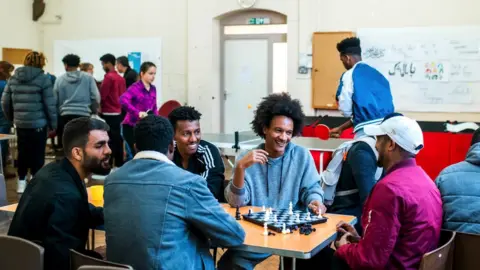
x: 402, y: 217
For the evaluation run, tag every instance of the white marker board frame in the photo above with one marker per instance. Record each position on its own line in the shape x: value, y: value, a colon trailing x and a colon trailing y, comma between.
x: 430, y: 69
x: 91, y: 51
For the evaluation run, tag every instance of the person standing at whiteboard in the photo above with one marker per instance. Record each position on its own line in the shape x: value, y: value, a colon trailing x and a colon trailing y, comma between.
x: 139, y: 101
x: 113, y: 86
x: 363, y: 94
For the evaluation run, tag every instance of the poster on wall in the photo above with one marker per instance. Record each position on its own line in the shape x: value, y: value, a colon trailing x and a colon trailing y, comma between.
x: 135, y: 60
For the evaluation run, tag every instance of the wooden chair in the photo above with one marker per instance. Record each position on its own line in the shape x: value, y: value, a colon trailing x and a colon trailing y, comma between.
x: 466, y: 251
x: 440, y: 258
x: 78, y: 259
x: 17, y: 253
x: 92, y: 267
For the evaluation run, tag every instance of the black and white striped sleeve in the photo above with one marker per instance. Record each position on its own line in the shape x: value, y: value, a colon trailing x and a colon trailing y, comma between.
x: 214, y: 172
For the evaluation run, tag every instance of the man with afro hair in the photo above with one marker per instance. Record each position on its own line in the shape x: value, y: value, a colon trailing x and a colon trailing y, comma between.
x: 275, y: 173
x: 194, y: 154
x: 364, y: 93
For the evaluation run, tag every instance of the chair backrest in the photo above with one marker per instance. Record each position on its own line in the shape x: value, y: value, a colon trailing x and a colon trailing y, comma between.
x: 78, y: 259
x: 440, y: 258
x: 18, y: 253
x: 466, y: 251
x: 92, y: 267
x: 168, y: 107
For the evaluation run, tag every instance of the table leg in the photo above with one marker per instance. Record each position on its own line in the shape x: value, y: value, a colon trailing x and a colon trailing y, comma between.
x: 321, y: 163
x: 93, y: 240
x: 294, y: 262
x: 282, y: 267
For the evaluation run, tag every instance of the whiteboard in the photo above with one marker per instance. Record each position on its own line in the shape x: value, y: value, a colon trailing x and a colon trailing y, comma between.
x: 91, y: 51
x: 430, y: 69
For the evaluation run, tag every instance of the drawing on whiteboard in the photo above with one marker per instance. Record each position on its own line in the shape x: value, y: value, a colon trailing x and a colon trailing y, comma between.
x: 374, y: 52
x: 434, y: 71
x: 402, y: 68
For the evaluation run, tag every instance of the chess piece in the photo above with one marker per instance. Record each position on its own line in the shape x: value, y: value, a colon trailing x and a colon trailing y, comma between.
x: 270, y: 210
x: 275, y: 218
x: 237, y: 214
x: 320, y: 213
x: 308, y: 216
x: 298, y: 218
x: 250, y: 212
x: 266, y: 217
x: 265, y: 229
x: 263, y: 208
x: 290, y: 209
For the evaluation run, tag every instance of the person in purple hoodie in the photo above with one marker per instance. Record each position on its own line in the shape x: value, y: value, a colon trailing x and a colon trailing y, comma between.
x: 138, y: 101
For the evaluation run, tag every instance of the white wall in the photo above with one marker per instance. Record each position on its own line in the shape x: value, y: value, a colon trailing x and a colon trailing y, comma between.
x: 190, y: 35
x: 94, y: 19
x: 17, y: 29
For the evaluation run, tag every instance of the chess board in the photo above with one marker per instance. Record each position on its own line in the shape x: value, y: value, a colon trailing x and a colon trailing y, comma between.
x: 283, y: 217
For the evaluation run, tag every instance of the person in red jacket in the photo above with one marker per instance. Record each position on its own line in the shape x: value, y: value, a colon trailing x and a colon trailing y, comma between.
x: 113, y: 86
x: 402, y: 217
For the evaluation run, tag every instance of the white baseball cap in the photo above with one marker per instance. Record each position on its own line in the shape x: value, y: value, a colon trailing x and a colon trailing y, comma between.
x: 402, y: 130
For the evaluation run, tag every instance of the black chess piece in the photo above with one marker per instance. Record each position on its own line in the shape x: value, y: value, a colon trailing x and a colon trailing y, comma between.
x: 237, y: 214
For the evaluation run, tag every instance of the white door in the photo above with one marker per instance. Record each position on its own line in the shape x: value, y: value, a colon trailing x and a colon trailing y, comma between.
x: 245, y: 81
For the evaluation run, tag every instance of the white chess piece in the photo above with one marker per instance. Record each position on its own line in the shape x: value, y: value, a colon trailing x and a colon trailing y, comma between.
x: 270, y: 210
x: 298, y: 218
x: 267, y: 216
x: 265, y: 229
x: 320, y: 213
x: 263, y: 208
x: 284, y: 228
x: 275, y: 218
x: 290, y: 209
x: 308, y: 216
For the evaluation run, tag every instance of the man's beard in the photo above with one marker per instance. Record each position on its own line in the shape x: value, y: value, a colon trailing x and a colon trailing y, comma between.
x: 380, y: 161
x: 95, y: 165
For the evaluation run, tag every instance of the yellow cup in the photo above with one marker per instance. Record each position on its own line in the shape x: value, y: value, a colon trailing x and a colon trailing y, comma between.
x: 96, y: 195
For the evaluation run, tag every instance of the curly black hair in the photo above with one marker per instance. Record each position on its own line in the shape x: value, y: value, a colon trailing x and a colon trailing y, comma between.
x: 71, y: 60
x: 153, y: 133
x: 183, y: 113
x: 278, y: 105
x: 350, y: 45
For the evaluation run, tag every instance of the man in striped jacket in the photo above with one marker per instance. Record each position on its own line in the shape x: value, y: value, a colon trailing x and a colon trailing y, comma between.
x: 194, y: 154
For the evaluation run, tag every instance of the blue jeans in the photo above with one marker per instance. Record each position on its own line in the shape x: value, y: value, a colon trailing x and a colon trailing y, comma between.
x: 241, y: 260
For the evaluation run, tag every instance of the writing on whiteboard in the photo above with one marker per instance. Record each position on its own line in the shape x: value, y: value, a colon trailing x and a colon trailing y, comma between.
x: 402, y: 68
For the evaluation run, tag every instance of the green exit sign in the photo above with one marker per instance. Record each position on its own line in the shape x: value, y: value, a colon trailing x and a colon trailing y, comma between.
x: 257, y: 21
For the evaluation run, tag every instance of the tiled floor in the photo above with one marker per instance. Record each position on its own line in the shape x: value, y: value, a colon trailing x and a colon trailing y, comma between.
x: 271, y: 264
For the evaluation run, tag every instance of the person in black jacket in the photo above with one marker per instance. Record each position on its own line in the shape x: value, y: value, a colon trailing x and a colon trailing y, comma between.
x: 129, y: 74
x: 194, y: 154
x: 54, y: 209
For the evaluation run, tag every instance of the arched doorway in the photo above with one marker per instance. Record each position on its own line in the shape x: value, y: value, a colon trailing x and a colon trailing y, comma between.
x: 253, y: 63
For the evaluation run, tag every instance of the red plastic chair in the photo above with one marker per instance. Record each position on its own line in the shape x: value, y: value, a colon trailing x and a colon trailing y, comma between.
x: 168, y: 107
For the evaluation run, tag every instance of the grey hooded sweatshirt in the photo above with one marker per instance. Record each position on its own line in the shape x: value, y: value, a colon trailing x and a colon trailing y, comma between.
x: 28, y: 99
x: 292, y: 177
x: 77, y: 94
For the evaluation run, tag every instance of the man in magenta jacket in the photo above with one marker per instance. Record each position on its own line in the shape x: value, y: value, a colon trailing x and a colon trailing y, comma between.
x: 402, y: 217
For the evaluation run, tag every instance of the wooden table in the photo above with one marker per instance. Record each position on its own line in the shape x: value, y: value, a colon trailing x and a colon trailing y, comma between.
x: 294, y: 245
